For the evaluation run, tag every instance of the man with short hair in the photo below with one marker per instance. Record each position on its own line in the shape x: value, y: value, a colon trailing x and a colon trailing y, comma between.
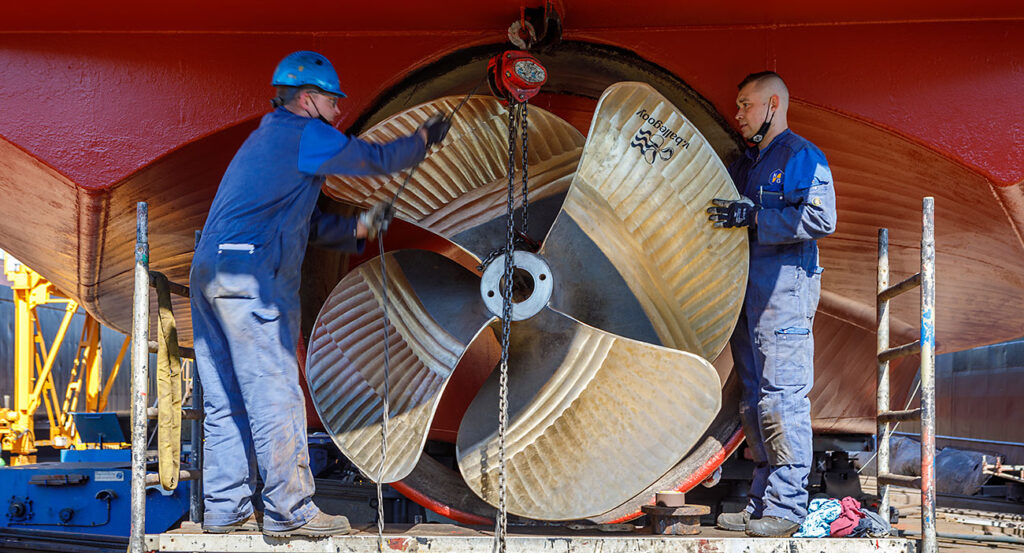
x: 787, y: 203
x: 245, y: 296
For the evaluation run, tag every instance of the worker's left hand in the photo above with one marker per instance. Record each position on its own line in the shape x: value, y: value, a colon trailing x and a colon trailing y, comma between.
x: 733, y: 213
x: 376, y: 219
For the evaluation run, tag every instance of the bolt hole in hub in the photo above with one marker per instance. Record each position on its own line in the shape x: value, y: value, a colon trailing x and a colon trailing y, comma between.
x: 531, y: 285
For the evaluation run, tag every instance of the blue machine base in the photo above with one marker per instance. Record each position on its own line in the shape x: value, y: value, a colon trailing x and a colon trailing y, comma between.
x: 84, y: 497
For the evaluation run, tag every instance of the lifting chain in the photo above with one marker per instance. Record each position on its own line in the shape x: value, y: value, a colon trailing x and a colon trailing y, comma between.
x: 515, y: 110
x: 385, y: 406
x: 517, y: 118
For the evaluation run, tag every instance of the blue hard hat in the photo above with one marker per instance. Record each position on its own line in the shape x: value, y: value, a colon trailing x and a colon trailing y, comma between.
x: 306, y: 68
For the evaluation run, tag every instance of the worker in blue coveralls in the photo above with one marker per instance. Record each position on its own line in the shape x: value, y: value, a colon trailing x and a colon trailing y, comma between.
x: 787, y: 204
x: 245, y: 296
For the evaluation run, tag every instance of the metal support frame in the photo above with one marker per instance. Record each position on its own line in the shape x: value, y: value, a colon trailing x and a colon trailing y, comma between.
x: 926, y: 347
x: 141, y: 412
x: 34, y: 384
x: 140, y: 380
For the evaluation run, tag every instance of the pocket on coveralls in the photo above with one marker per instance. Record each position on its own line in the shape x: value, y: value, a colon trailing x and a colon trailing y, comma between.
x: 235, y: 274
x: 793, y: 356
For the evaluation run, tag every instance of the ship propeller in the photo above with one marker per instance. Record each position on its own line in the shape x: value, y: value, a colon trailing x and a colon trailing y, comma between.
x: 616, y: 316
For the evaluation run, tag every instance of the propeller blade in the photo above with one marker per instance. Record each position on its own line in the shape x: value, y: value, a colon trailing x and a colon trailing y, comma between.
x: 635, y: 219
x: 435, y: 311
x: 594, y: 418
x: 459, y: 191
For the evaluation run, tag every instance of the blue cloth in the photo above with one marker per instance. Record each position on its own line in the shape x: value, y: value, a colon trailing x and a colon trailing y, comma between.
x: 245, y: 309
x: 772, y: 345
x: 818, y: 522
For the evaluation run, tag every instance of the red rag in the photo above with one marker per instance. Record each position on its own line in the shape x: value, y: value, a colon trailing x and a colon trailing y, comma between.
x: 848, y: 519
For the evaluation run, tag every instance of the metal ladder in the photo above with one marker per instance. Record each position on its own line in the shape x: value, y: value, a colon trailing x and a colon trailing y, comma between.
x: 924, y: 346
x: 140, y: 411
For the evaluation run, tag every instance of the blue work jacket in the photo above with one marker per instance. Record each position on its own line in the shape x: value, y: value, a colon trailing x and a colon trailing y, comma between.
x: 268, y: 195
x: 791, y: 183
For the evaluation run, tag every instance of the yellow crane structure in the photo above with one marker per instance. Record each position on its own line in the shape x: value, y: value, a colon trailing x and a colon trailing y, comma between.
x: 33, y: 370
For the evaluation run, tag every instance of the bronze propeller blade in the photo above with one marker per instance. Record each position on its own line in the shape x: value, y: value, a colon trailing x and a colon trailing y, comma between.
x: 594, y: 418
x: 636, y: 218
x: 434, y: 313
x: 459, y: 190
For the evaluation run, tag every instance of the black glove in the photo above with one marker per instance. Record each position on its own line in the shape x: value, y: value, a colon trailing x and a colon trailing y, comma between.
x: 376, y: 219
x: 437, y: 128
x: 733, y: 213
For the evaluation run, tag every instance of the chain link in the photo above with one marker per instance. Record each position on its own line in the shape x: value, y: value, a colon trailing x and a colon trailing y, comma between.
x: 507, y: 316
x: 526, y: 187
x: 385, y: 407
x: 500, y: 525
x: 518, y: 118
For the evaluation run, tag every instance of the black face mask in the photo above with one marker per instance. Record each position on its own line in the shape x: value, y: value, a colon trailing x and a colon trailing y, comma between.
x: 318, y: 114
x: 763, y: 129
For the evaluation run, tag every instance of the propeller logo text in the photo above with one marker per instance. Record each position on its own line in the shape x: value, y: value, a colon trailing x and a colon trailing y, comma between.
x: 651, y: 146
x: 652, y: 143
x: 662, y: 129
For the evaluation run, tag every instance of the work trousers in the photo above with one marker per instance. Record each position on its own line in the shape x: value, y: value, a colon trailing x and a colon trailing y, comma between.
x: 245, y: 331
x: 773, y: 352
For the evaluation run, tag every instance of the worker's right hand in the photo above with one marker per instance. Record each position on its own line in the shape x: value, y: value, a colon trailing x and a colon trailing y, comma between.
x: 436, y: 129
x: 376, y: 219
x: 733, y: 213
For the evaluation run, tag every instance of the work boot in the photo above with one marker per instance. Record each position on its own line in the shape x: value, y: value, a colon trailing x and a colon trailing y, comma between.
x: 319, y: 526
x: 771, y: 527
x: 734, y: 522
x: 252, y: 523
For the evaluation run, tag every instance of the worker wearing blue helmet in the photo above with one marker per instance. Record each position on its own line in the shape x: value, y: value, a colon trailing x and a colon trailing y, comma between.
x: 788, y: 203
x: 245, y: 296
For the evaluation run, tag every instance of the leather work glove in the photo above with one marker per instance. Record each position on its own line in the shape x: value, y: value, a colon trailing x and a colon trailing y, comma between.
x: 376, y: 219
x: 437, y: 128
x: 733, y: 213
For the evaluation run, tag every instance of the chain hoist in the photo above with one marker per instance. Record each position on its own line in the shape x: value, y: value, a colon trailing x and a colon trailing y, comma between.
x: 516, y: 76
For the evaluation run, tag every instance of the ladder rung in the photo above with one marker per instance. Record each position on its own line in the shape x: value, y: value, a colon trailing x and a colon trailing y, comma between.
x: 912, y: 348
x: 172, y: 287
x: 886, y: 479
x: 187, y: 353
x: 900, y: 416
x: 187, y: 414
x: 897, y: 289
x: 153, y: 478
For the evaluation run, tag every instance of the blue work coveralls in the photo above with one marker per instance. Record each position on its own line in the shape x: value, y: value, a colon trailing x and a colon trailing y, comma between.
x: 772, y: 346
x: 245, y: 308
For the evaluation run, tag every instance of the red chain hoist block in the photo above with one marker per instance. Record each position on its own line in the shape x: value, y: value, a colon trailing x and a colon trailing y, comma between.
x: 515, y: 75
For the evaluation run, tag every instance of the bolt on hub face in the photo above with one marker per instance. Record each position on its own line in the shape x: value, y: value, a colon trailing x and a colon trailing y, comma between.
x: 532, y: 285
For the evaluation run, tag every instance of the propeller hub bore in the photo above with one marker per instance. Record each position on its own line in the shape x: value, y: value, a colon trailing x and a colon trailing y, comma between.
x: 532, y: 284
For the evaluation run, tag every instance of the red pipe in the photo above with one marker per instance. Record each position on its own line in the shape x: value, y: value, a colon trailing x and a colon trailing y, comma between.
x: 440, y: 508
x: 463, y: 517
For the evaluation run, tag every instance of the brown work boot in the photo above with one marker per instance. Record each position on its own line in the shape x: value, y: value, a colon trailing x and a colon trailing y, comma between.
x: 252, y: 523
x: 319, y: 526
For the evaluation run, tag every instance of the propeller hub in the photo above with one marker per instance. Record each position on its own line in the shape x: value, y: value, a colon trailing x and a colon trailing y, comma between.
x: 532, y: 284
